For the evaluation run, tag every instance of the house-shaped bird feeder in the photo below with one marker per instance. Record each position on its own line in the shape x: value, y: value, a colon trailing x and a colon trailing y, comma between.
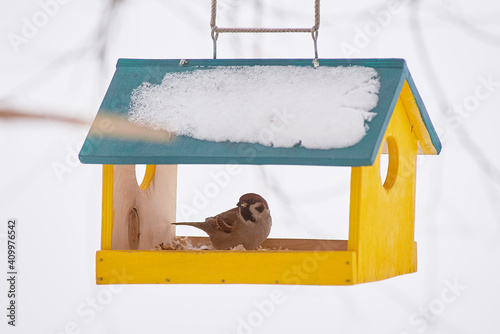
x: 140, y: 122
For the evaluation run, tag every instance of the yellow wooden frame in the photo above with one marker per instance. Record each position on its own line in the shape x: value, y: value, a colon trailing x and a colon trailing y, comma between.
x: 212, y: 267
x: 381, y: 225
x: 107, y: 207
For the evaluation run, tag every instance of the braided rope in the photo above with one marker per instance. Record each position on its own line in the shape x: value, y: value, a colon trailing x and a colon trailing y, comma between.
x: 261, y: 30
x: 313, y: 30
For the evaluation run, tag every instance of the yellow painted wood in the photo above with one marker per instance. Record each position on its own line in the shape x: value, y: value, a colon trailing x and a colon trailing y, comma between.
x: 230, y: 267
x: 381, y: 228
x: 419, y: 128
x: 107, y: 207
x: 148, y: 176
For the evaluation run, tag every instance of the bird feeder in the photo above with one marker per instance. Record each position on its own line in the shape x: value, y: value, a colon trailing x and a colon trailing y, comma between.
x: 136, y: 218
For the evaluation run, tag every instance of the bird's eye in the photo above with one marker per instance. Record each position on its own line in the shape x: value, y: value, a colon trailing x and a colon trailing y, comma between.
x: 251, y: 201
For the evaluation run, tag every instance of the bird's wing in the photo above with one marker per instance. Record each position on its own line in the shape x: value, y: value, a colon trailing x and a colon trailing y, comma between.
x: 224, y: 221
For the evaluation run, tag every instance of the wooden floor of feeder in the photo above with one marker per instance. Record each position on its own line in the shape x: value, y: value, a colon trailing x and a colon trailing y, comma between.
x: 305, y: 262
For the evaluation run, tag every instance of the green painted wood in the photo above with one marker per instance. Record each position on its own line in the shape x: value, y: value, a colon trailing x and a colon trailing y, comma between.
x: 130, y: 73
x: 423, y: 112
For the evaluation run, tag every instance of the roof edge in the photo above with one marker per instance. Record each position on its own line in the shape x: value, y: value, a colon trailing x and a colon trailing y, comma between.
x: 369, y: 62
x: 419, y: 117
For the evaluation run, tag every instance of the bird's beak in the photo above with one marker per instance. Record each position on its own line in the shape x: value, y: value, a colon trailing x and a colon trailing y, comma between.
x: 242, y: 204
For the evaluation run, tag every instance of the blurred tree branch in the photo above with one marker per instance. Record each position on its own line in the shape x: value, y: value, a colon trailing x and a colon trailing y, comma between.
x: 12, y: 114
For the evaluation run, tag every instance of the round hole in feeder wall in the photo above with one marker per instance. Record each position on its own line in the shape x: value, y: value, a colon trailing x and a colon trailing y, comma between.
x: 144, y: 175
x: 389, y: 163
x: 140, y: 171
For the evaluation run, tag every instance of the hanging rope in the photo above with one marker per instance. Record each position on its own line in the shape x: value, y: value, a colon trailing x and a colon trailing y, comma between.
x: 313, y: 30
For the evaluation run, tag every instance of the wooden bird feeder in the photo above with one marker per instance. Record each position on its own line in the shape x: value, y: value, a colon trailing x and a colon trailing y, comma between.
x: 137, y: 218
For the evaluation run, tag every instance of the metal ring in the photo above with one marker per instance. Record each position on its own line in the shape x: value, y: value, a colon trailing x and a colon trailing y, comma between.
x: 215, y: 35
x: 314, y: 35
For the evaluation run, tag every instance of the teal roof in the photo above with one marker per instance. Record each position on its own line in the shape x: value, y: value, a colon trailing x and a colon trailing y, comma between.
x: 105, y: 144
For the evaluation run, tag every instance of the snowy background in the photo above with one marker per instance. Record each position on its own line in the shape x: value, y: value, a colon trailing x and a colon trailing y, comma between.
x: 56, y: 60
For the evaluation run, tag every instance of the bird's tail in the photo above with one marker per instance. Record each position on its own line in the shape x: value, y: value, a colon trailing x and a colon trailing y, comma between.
x: 187, y: 223
x: 201, y: 225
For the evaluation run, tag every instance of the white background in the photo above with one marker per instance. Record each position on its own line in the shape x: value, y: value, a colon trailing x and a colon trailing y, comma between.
x: 63, y: 67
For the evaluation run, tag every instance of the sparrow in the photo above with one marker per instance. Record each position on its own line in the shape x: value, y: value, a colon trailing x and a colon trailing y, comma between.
x: 248, y: 224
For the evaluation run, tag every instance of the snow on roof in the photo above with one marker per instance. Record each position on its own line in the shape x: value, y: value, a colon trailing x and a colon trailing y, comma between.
x: 279, y: 106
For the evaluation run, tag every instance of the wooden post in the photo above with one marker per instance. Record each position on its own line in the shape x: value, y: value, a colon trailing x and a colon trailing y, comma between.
x: 382, y: 215
x: 142, y: 215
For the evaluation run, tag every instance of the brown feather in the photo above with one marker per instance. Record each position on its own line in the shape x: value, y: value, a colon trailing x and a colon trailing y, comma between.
x: 224, y: 221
